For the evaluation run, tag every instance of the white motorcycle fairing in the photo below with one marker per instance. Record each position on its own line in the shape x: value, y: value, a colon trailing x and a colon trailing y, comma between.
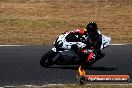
x: 67, y: 45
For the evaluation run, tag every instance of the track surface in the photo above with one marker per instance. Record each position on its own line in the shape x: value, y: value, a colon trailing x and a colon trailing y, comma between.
x: 19, y: 65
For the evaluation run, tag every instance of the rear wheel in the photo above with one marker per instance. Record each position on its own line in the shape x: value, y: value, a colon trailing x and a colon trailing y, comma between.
x: 46, y: 60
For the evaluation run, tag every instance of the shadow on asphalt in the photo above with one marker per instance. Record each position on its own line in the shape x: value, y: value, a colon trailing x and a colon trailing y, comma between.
x: 88, y: 68
x: 102, y: 68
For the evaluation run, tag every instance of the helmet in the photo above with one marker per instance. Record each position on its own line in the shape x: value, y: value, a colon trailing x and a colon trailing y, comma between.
x: 92, y: 27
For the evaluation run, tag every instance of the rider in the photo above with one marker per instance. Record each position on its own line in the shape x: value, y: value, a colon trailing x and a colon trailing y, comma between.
x: 90, y: 35
x: 93, y: 40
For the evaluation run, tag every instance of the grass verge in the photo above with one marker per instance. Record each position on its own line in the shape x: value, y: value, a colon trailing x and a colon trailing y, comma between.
x: 37, y: 22
x: 80, y: 86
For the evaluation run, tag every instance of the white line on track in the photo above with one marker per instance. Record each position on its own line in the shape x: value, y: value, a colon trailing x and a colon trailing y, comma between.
x: 41, y: 45
x: 122, y: 44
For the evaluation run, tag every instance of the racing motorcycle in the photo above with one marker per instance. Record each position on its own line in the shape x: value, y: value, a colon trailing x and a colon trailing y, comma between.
x: 64, y: 51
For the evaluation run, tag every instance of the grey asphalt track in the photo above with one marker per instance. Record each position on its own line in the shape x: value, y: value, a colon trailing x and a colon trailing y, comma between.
x: 19, y: 65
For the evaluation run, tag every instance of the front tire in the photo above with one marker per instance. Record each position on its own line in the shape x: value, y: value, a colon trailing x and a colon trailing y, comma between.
x: 46, y: 60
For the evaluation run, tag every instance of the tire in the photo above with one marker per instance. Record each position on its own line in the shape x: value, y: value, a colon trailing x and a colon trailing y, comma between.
x: 46, y: 60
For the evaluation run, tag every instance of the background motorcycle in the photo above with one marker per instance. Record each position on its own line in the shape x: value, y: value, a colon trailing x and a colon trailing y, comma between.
x: 64, y: 50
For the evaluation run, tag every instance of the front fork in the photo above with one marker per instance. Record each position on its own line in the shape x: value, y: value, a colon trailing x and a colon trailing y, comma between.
x: 57, y: 56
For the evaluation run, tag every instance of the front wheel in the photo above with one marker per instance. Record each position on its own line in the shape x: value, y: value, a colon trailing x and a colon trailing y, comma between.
x: 46, y: 60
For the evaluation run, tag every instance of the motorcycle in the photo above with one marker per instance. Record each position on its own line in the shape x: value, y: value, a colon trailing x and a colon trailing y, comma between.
x: 64, y: 51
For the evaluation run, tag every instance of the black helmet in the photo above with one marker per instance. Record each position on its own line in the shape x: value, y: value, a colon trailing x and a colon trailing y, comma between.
x: 92, y: 27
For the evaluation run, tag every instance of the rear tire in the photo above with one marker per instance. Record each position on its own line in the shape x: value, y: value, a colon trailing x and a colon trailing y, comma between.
x: 46, y: 60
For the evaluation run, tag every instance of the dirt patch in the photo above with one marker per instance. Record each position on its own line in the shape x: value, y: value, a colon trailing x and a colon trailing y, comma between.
x: 41, y: 21
x: 80, y: 86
